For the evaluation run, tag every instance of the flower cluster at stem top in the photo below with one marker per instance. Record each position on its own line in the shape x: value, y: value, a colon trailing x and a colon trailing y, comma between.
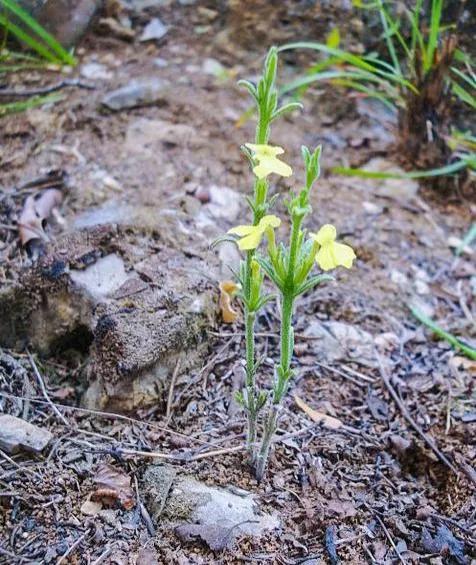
x: 327, y: 253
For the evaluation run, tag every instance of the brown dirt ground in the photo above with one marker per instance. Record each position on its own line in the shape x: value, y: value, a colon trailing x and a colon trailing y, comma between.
x: 373, y: 491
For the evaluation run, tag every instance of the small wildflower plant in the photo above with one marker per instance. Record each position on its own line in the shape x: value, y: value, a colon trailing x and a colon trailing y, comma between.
x: 289, y: 266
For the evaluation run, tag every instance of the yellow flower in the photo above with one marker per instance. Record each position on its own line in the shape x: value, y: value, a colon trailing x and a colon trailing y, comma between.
x: 250, y: 236
x: 332, y: 254
x: 268, y: 162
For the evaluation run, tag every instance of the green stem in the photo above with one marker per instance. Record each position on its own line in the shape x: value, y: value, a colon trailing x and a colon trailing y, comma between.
x: 283, y: 373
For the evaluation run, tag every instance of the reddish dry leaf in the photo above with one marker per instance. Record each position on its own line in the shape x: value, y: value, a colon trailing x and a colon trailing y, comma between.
x: 113, y: 485
x: 227, y: 290
x: 327, y: 421
x: 36, y: 211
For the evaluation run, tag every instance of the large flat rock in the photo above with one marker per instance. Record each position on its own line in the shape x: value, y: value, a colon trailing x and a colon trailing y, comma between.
x: 134, y: 307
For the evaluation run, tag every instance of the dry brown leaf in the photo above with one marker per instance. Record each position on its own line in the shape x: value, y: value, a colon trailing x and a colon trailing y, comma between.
x: 328, y: 421
x: 227, y: 290
x: 90, y: 508
x: 36, y: 211
x: 113, y: 485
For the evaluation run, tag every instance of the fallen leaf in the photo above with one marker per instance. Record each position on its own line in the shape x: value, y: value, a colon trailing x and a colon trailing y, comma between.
x: 90, y: 508
x: 34, y: 216
x: 343, y: 508
x: 443, y: 543
x: 113, y: 485
x: 216, y: 537
x: 378, y: 407
x: 227, y: 290
x: 327, y: 421
x: 147, y: 556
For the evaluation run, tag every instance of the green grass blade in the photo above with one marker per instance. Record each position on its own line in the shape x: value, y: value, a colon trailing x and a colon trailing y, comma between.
x: 463, y: 94
x: 435, y: 28
x: 388, y: 26
x: 440, y: 332
x: 331, y: 75
x: 60, y: 53
x: 28, y: 40
x: 15, y: 107
x: 359, y: 62
x: 370, y: 92
x: 447, y: 170
x: 471, y: 79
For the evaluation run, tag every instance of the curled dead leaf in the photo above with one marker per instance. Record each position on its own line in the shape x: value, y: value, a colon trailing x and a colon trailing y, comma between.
x: 327, y: 421
x: 113, y: 486
x: 227, y: 290
x: 34, y: 216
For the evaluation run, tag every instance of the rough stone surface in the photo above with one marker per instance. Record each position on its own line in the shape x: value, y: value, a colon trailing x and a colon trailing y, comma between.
x: 185, y: 500
x: 154, y: 30
x: 135, y: 314
x: 338, y: 341
x: 66, y: 20
x: 140, y: 92
x: 400, y: 189
x: 17, y: 434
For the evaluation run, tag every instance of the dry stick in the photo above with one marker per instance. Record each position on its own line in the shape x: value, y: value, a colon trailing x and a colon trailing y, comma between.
x: 108, y: 415
x: 106, y: 553
x: 18, y: 466
x: 7, y: 93
x: 143, y: 511
x: 72, y: 548
x: 390, y: 539
x: 44, y: 391
x: 406, y: 414
x: 168, y: 412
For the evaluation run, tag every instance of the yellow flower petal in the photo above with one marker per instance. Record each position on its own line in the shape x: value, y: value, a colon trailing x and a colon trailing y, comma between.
x: 327, y: 234
x: 325, y: 258
x: 344, y: 255
x: 242, y: 230
x: 251, y: 241
x: 269, y: 221
x: 265, y: 150
x: 262, y: 170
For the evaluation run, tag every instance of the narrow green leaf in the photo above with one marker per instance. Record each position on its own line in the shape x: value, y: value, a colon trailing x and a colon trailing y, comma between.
x: 447, y: 170
x: 60, y: 53
x: 440, y: 332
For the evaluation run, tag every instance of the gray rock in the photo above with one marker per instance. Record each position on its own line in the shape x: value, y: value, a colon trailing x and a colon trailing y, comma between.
x: 17, y: 434
x: 212, y: 67
x: 95, y: 71
x: 184, y: 500
x: 136, y: 313
x: 146, y: 137
x: 141, y: 92
x: 66, y: 20
x: 338, y: 341
x: 102, y: 278
x: 399, y: 189
x: 155, y: 29
x: 141, y: 5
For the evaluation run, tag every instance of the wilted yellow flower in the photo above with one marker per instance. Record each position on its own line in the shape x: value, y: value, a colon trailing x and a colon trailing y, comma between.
x: 250, y: 236
x: 332, y: 254
x: 268, y: 162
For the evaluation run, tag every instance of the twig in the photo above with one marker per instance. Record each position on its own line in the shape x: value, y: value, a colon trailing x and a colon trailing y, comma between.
x: 106, y: 553
x: 72, y: 548
x: 143, y: 511
x: 68, y: 83
x: 18, y: 466
x: 108, y: 415
x: 390, y: 539
x: 44, y: 391
x: 406, y: 414
x: 168, y: 412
